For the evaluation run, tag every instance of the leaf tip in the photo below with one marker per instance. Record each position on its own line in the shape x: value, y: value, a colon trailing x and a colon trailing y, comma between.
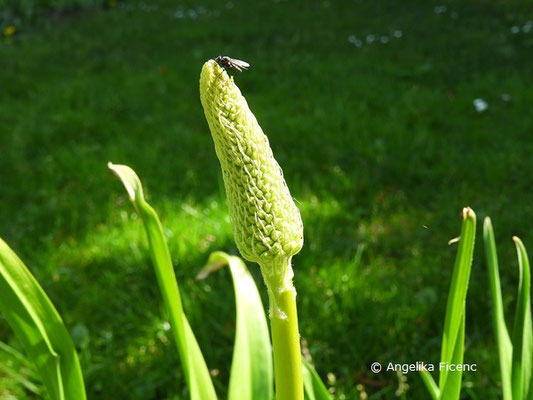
x: 129, y: 179
x: 217, y: 260
x: 468, y: 213
x: 487, y: 226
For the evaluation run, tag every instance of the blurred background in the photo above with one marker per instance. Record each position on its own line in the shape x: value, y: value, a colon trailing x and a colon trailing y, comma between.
x: 387, y: 118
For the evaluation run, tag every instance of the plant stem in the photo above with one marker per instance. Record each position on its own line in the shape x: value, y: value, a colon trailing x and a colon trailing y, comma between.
x: 286, y: 341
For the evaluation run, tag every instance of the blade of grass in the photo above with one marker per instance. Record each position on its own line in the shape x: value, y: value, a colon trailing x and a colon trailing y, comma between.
x: 29, y: 375
x: 193, y: 363
x: 19, y: 357
x: 452, y: 386
x: 314, y: 388
x: 37, y: 324
x: 431, y: 386
x: 18, y: 377
x: 252, y: 376
x: 455, y: 307
x: 505, y: 347
x: 522, y: 336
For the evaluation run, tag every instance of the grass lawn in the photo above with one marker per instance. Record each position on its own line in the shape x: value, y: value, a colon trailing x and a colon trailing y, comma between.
x: 368, y: 106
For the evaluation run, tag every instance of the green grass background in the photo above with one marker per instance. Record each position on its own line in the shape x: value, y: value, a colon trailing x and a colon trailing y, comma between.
x: 380, y: 144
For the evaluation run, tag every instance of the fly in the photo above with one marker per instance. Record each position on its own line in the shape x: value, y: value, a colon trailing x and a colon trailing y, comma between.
x: 232, y: 63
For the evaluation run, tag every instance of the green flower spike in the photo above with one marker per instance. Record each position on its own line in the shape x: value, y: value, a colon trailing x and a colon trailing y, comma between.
x: 266, y: 223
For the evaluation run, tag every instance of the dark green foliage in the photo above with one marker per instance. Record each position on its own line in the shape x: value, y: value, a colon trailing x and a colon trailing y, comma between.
x: 22, y: 12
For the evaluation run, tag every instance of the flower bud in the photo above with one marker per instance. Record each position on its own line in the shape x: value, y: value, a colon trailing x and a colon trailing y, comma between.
x: 266, y: 223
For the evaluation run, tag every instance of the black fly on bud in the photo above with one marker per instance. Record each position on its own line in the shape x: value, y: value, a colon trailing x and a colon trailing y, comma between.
x: 232, y: 63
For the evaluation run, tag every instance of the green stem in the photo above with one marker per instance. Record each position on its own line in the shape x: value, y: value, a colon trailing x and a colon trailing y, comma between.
x: 285, y: 336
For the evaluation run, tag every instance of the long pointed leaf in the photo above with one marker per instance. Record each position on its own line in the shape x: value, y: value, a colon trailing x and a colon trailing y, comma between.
x: 251, y: 369
x: 431, y: 386
x: 458, y: 289
x: 313, y: 386
x: 37, y: 324
x: 452, y: 386
x: 193, y: 363
x: 505, y: 347
x: 522, y: 337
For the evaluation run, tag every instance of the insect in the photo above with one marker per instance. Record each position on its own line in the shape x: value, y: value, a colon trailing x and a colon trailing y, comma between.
x: 231, y: 63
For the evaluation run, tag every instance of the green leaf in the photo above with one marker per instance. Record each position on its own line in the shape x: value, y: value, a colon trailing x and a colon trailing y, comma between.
x: 431, y: 386
x: 522, y: 335
x: 455, y: 307
x: 192, y: 360
x: 505, y: 347
x: 313, y: 385
x: 37, y: 324
x: 251, y: 369
x: 452, y: 385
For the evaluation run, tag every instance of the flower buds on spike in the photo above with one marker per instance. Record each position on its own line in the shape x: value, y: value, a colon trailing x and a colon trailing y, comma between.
x: 266, y: 223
